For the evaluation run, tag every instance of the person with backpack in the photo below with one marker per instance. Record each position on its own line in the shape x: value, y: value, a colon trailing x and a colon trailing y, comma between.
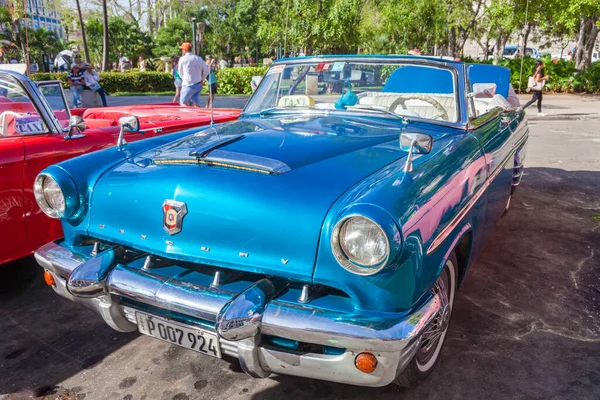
x: 536, y: 86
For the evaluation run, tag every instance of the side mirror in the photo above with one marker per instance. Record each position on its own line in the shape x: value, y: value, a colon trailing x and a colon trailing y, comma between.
x: 255, y: 82
x: 128, y: 124
x: 76, y: 126
x: 414, y: 143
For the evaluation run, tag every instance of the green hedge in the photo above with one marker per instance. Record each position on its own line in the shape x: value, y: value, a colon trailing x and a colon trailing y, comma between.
x: 229, y: 80
x: 122, y: 81
x: 237, y: 80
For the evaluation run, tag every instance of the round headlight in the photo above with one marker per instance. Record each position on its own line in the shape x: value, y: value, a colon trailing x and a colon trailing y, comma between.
x: 360, y: 245
x: 49, y: 196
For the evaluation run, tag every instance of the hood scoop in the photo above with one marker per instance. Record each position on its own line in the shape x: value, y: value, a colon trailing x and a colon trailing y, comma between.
x: 208, y: 153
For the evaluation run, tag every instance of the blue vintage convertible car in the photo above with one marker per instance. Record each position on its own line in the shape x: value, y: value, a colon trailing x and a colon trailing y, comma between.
x: 324, y: 234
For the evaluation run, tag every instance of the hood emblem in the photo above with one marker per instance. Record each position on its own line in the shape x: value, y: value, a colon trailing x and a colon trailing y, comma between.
x: 173, y: 213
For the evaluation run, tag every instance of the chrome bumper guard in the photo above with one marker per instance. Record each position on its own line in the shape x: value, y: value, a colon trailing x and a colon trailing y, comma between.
x: 240, y: 319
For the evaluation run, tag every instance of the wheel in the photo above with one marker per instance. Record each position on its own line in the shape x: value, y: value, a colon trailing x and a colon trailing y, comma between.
x: 432, y: 340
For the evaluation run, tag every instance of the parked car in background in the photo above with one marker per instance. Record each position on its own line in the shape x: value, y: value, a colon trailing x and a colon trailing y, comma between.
x: 38, y: 129
x: 512, y: 51
x: 321, y: 235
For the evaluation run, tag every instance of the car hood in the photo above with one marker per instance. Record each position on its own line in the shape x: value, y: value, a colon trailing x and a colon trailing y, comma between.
x: 256, y: 190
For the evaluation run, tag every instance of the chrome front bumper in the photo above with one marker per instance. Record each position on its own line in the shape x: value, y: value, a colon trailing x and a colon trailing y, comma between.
x: 243, y: 319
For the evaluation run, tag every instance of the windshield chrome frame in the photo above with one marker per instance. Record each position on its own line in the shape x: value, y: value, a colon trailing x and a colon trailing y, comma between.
x: 39, y: 102
x: 459, y: 85
x: 62, y: 93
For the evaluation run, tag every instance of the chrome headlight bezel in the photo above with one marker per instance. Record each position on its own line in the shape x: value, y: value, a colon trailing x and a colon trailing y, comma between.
x: 347, y: 260
x: 67, y: 190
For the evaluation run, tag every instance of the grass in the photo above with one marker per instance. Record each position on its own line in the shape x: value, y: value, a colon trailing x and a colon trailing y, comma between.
x: 596, y: 217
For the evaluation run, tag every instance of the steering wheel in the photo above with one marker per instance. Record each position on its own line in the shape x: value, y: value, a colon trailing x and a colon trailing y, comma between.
x: 401, y: 101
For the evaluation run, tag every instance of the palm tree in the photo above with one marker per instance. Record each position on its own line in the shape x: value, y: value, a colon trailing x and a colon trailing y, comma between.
x: 86, y: 53
x: 105, y: 66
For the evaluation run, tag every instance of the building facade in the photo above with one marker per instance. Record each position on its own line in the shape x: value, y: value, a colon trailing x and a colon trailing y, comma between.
x: 44, y: 15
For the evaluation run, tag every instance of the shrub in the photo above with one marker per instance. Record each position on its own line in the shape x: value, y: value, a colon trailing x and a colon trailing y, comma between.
x: 121, y: 81
x: 237, y: 80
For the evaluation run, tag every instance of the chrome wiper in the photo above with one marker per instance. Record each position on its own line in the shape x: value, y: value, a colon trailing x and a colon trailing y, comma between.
x: 382, y: 110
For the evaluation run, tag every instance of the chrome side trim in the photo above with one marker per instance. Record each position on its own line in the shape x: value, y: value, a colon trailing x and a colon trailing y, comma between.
x: 443, y: 235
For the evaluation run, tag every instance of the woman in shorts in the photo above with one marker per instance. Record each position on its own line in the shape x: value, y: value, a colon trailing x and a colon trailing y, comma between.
x: 213, y: 68
x: 176, y: 79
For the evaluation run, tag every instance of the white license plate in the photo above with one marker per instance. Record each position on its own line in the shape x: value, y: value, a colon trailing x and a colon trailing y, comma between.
x: 182, y: 335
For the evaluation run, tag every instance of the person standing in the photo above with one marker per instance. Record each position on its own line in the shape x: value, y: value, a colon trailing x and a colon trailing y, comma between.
x: 76, y: 84
x: 142, y: 64
x: 92, y: 80
x: 193, y: 72
x: 176, y: 79
x: 123, y: 62
x: 536, y: 86
x: 213, y: 68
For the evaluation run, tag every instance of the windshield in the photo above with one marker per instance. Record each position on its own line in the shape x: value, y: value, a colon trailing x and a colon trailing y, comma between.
x: 390, y: 89
x: 54, y: 96
x: 510, y: 51
x: 18, y: 114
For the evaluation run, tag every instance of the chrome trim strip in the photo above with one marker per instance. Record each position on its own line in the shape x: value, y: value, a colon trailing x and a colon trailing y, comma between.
x: 443, y: 235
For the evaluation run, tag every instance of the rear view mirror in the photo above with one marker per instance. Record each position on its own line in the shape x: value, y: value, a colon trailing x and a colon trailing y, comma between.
x: 414, y: 143
x: 76, y: 126
x: 130, y: 123
x: 418, y: 143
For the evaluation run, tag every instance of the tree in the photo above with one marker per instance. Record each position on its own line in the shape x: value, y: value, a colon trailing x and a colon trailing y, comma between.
x: 86, y: 52
x: 169, y: 38
x: 43, y: 41
x: 105, y: 62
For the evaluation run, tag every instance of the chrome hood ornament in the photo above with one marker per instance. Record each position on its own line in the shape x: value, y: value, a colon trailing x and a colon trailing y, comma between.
x: 173, y: 213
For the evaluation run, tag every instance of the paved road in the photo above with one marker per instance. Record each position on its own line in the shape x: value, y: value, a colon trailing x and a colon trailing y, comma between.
x: 526, y: 323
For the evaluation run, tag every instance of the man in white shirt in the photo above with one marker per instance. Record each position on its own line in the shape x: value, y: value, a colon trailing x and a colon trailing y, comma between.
x: 193, y: 72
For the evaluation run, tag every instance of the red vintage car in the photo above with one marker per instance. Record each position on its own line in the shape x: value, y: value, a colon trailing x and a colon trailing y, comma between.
x: 38, y: 129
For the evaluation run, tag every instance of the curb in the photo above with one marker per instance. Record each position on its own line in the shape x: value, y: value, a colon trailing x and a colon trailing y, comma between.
x: 565, y: 117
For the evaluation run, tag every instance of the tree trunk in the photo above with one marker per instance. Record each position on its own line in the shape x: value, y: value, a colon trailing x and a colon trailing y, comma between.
x: 139, y: 9
x: 150, y: 18
x: 105, y: 62
x: 588, y: 31
x: 86, y: 52
x: 500, y: 44
x: 18, y: 33
x: 523, y: 36
x: 452, y: 47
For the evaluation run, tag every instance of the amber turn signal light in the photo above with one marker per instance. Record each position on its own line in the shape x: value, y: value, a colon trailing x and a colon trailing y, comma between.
x: 49, y: 278
x: 365, y: 362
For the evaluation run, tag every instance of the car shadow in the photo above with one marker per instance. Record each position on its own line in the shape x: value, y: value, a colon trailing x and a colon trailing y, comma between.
x: 46, y: 338
x: 526, y: 322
